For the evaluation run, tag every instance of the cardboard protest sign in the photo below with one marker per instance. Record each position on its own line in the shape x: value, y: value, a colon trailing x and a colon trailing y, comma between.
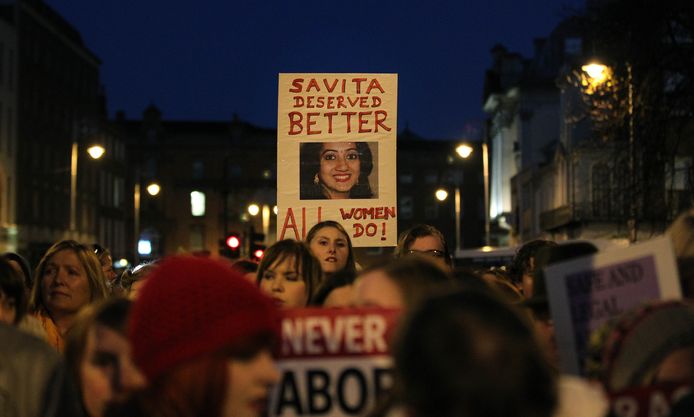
x: 334, y: 362
x: 586, y: 292
x: 336, y: 155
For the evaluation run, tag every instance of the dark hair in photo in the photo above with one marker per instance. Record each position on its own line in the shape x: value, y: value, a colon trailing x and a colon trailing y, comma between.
x: 304, y: 262
x: 310, y: 166
x: 12, y: 287
x: 407, y: 238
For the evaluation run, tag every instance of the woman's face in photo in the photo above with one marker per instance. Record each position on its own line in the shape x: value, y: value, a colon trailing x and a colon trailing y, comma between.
x: 339, y: 168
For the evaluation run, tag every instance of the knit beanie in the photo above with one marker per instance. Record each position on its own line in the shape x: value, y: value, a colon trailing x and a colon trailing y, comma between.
x: 625, y: 351
x: 191, y: 307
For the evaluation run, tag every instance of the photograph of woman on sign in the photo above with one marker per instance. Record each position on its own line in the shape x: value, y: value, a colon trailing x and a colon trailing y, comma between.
x: 336, y: 170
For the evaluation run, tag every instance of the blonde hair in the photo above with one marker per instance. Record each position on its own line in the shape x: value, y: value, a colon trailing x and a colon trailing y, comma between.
x: 681, y: 232
x: 88, y: 260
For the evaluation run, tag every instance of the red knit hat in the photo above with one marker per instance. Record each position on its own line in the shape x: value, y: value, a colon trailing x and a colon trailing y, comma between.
x: 193, y: 306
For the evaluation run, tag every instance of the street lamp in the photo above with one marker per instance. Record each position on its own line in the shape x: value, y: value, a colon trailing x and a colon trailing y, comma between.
x: 153, y: 189
x: 95, y: 152
x: 253, y: 209
x: 463, y: 151
x: 595, y: 75
x: 441, y: 194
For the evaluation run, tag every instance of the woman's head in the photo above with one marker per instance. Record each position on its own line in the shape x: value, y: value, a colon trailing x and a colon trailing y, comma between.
x: 424, y: 240
x: 331, y: 245
x: 98, y: 354
x: 289, y: 273
x: 469, y: 354
x: 336, y: 170
x: 67, y: 278
x: 217, y: 318
x: 400, y: 283
x: 13, y: 301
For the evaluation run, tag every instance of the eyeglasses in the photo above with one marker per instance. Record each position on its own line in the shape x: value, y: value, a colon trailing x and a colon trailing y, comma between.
x: 434, y: 253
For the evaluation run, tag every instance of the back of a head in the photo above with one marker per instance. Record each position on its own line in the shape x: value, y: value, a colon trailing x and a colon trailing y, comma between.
x: 522, y: 261
x: 468, y: 353
x: 12, y: 290
x: 681, y: 232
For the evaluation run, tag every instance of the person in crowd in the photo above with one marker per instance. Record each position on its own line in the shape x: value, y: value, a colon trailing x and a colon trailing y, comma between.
x: 289, y: 273
x: 337, y: 290
x: 21, y: 265
x: 97, y: 352
x: 335, y: 170
x: 648, y: 345
x: 424, y: 240
x: 68, y: 278
x: 132, y: 280
x: 681, y: 232
x: 400, y: 283
x: 247, y: 267
x: 467, y: 353
x: 499, y: 280
x: 538, y: 303
x: 207, y: 354
x: 523, y: 265
x: 106, y: 262
x: 33, y: 378
x: 331, y: 245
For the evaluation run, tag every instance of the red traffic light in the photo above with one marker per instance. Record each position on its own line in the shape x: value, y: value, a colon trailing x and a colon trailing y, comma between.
x: 258, y: 253
x: 233, y: 242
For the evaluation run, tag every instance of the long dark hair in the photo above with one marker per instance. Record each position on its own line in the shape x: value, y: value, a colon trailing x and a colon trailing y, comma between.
x: 304, y: 261
x: 310, y: 165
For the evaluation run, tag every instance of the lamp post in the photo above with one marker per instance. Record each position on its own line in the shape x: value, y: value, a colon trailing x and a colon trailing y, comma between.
x: 152, y: 189
x: 463, y: 151
x: 95, y: 152
x: 597, y: 75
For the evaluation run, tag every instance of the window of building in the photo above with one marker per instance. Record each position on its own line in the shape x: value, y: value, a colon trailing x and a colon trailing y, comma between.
x: 600, y: 178
x: 406, y: 178
x: 573, y: 46
x: 431, y: 211
x: 197, y: 203
x: 197, y: 238
x: 431, y: 177
x: 198, y: 169
x: 406, y: 207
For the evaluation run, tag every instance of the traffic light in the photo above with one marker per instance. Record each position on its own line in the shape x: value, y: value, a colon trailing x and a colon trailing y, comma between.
x: 257, y: 246
x: 230, y: 246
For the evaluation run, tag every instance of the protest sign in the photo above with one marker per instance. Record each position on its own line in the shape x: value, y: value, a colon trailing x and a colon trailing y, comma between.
x: 333, y: 362
x: 336, y: 155
x: 586, y: 292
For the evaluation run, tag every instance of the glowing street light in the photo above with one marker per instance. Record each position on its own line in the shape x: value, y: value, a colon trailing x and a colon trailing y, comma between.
x: 153, y: 189
x: 253, y: 209
x: 464, y: 150
x: 96, y: 151
x: 441, y: 194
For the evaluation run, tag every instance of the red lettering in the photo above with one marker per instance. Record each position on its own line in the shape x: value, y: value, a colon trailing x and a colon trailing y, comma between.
x: 298, y: 101
x: 362, y: 102
x: 359, y: 230
x: 390, y: 212
x: 296, y: 85
x: 320, y: 102
x: 328, y: 87
x: 295, y: 118
x: 312, y: 84
x: 374, y: 84
x: 363, y: 120
x: 330, y: 115
x: 287, y: 219
x: 310, y: 122
x: 376, y: 101
x: 358, y: 82
x: 383, y: 231
x: 346, y: 215
x: 370, y: 230
x: 354, y: 102
x: 381, y: 116
x: 349, y: 115
x: 309, y: 102
x: 341, y: 102
x: 379, y: 213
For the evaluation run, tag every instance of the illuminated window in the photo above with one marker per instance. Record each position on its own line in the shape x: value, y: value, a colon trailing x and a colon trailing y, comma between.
x: 197, y: 203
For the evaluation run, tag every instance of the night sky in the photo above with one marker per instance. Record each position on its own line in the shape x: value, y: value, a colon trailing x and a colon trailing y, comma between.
x: 210, y: 59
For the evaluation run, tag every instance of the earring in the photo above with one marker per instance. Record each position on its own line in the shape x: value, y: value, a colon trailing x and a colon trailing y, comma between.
x: 316, y: 180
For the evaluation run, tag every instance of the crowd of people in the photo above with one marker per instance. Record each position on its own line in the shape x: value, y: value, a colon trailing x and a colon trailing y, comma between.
x: 195, y: 336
